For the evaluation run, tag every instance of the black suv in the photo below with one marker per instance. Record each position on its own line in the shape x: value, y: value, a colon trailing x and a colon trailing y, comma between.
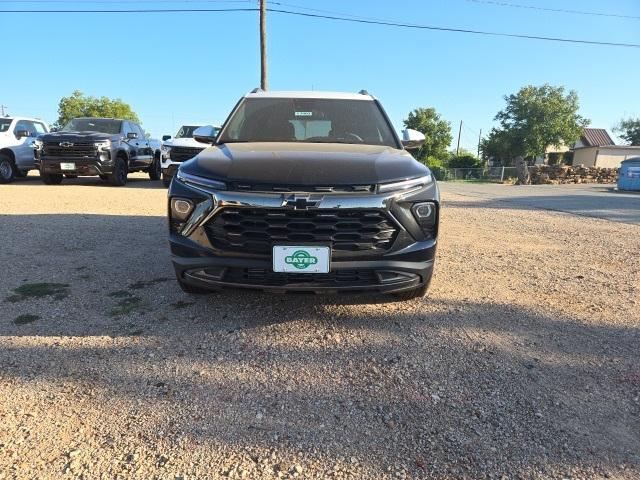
x: 108, y: 147
x: 305, y: 191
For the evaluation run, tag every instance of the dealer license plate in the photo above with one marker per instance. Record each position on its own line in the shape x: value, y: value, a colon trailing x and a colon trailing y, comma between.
x: 305, y: 259
x: 67, y: 166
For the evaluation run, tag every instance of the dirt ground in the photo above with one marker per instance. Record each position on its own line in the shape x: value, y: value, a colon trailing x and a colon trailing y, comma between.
x: 523, y: 361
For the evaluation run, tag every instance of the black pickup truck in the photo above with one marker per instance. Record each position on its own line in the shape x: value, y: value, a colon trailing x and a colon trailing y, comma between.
x: 107, y: 147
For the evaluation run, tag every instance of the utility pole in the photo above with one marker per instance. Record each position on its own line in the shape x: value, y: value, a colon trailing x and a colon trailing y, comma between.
x: 479, y: 140
x: 3, y: 107
x: 263, y: 45
x: 459, y: 135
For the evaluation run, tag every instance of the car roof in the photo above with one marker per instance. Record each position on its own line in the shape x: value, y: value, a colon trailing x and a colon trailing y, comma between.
x: 18, y: 117
x: 309, y: 94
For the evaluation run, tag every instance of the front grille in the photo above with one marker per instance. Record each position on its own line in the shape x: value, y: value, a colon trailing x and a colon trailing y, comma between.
x: 340, y: 278
x: 78, y: 149
x: 256, y: 230
x: 182, y: 154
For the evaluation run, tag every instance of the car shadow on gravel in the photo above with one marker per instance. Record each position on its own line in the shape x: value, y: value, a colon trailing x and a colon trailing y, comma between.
x: 440, y: 386
x: 133, y: 181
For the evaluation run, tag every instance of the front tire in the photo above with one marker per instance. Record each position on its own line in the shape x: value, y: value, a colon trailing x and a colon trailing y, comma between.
x: 191, y: 289
x: 166, y: 180
x: 118, y: 177
x: 7, y: 169
x: 154, y: 170
x: 51, y: 178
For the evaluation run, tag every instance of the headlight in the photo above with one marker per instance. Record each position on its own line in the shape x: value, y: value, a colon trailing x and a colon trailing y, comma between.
x: 405, y: 184
x: 104, y: 146
x: 166, y: 151
x: 426, y: 214
x: 38, y: 144
x: 200, y: 182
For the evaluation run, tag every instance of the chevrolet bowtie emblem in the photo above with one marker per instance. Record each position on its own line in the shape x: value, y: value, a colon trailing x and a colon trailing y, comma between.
x: 300, y: 203
x: 66, y: 144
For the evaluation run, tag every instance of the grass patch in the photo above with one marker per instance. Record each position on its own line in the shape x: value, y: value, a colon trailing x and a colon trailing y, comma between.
x: 120, y: 294
x: 139, y: 285
x: 24, y: 319
x: 128, y: 305
x: 180, y: 304
x: 38, y: 290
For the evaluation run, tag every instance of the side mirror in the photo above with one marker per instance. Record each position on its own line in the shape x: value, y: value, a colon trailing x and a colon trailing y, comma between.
x: 166, y: 137
x: 132, y: 135
x: 23, y: 133
x: 412, y: 139
x: 206, y: 134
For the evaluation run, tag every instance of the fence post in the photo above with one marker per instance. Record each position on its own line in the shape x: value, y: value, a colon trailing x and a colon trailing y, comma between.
x: 502, y: 175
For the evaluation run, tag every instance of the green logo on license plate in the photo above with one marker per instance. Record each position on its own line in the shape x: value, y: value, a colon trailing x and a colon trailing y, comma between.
x: 301, y: 259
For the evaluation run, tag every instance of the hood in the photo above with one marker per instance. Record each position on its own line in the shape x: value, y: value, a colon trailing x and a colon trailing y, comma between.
x: 77, y: 137
x: 184, y: 142
x: 304, y: 164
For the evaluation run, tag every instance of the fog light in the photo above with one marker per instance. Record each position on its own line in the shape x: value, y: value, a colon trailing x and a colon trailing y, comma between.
x: 181, y: 208
x: 425, y: 215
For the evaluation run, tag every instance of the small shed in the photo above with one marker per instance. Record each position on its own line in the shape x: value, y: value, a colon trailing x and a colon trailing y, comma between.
x: 629, y: 176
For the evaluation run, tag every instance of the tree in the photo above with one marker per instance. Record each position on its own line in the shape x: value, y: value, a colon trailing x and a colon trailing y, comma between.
x: 79, y: 105
x: 499, y: 146
x: 538, y: 117
x: 630, y: 130
x: 464, y: 160
x: 437, y: 132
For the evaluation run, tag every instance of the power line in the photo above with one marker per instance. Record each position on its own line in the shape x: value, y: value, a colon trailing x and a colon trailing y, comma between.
x: 555, y: 10
x: 460, y: 30
x: 342, y: 19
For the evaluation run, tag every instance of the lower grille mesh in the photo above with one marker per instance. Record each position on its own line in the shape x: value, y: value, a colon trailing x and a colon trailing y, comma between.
x: 256, y: 230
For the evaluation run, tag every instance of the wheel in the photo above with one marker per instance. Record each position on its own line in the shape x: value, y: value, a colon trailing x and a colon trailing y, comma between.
x: 166, y: 180
x: 118, y: 177
x: 51, y: 178
x: 154, y: 169
x: 417, y: 292
x: 7, y: 169
x: 21, y: 173
x: 191, y: 289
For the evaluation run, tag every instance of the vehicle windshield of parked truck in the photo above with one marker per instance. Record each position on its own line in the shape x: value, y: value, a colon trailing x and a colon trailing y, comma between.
x: 309, y: 120
x: 101, y: 125
x: 186, y: 131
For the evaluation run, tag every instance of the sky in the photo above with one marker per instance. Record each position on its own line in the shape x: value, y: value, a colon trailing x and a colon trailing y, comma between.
x: 175, y: 68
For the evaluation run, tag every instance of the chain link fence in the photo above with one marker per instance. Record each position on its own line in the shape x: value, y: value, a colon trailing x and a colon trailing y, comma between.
x: 485, y: 174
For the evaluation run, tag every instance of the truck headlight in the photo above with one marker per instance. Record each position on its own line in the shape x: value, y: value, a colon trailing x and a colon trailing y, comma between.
x: 426, y: 214
x: 38, y: 144
x: 104, y: 146
x: 405, y: 184
x: 166, y: 151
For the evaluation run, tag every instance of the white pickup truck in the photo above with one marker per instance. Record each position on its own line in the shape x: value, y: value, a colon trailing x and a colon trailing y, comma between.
x: 17, y: 135
x: 180, y: 148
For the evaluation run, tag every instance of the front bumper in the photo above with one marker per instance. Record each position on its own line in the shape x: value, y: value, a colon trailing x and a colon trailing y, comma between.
x: 169, y: 169
x: 86, y: 166
x: 407, y: 264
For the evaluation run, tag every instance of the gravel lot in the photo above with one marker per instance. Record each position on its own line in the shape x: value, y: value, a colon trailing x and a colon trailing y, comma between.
x: 522, y: 363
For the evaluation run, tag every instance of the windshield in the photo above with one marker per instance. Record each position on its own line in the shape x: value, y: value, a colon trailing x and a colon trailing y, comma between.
x: 101, y: 125
x: 312, y: 120
x: 5, y: 123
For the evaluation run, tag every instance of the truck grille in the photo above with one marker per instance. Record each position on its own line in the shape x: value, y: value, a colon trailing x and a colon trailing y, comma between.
x: 263, y: 277
x: 78, y: 149
x: 182, y: 154
x: 256, y: 230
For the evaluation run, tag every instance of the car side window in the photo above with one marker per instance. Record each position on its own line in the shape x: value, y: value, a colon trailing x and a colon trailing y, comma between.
x: 126, y: 128
x: 39, y: 127
x: 25, y: 125
x: 138, y: 129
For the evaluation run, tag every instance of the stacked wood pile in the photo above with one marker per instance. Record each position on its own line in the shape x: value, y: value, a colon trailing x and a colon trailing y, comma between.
x: 560, y: 174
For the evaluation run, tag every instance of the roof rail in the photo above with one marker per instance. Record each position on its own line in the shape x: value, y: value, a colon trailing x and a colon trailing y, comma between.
x: 257, y: 90
x: 363, y: 92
